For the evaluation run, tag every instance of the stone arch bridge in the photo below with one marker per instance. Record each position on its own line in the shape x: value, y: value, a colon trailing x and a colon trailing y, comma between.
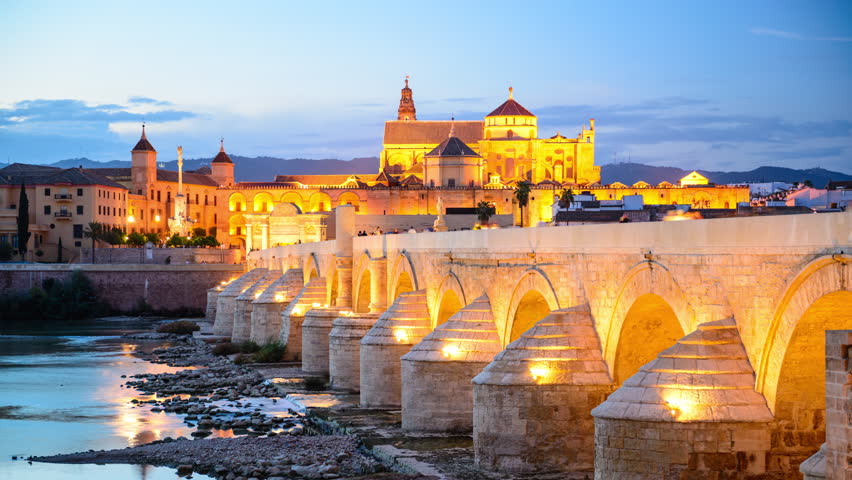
x: 635, y: 350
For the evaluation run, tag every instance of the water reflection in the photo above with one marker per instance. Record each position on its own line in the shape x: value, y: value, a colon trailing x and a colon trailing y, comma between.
x: 64, y: 394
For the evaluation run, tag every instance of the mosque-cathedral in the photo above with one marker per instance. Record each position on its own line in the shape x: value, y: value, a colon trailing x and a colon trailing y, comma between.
x: 460, y: 162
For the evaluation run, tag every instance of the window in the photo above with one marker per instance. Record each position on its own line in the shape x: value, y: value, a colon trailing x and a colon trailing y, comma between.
x: 510, y: 134
x: 588, y: 139
x: 158, y: 195
x: 239, y: 230
x: 79, y: 209
x: 46, y: 192
x: 78, y: 230
x: 451, y: 182
x: 79, y: 192
x: 14, y: 240
x: 113, y: 211
x: 239, y: 206
x: 152, y: 194
x: 168, y: 197
x: 78, y: 243
x: 47, y: 209
x: 215, y: 218
x: 196, y: 199
x: 214, y: 201
x: 205, y: 199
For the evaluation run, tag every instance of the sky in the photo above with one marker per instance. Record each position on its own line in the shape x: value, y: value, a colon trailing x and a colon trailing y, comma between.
x: 723, y: 85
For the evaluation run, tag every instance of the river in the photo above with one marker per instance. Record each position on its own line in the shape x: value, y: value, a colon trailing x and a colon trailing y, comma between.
x: 62, y: 392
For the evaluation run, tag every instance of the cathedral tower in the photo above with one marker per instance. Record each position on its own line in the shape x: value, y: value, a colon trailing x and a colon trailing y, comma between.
x: 222, y: 167
x: 406, y: 110
x: 143, y: 165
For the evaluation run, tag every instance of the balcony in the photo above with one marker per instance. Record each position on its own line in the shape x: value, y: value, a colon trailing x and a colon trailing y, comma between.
x: 63, y: 197
x: 62, y: 215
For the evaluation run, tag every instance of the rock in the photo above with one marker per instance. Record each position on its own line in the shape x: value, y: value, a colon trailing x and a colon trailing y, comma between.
x: 309, y: 471
x: 184, y: 470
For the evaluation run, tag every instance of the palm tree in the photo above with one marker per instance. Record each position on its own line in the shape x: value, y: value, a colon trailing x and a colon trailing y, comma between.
x: 95, y: 231
x: 522, y: 194
x: 566, y: 198
x: 484, y: 211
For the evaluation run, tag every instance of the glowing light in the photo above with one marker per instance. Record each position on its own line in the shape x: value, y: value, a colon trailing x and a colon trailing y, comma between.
x: 680, y: 408
x: 131, y: 219
x: 539, y: 372
x: 347, y: 313
x: 401, y: 335
x: 450, y: 350
x: 316, y: 305
x: 257, y: 295
x: 156, y: 218
x: 279, y: 297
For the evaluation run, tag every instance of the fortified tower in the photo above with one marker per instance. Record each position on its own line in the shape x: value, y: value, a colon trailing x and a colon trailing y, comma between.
x: 406, y: 111
x: 222, y: 167
x: 143, y: 165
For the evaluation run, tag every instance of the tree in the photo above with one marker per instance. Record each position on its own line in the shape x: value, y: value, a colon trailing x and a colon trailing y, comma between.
x: 566, y: 198
x: 199, y: 232
x: 522, y: 194
x: 5, y: 251
x: 136, y: 239
x: 59, y: 251
x: 23, y: 221
x: 176, y: 241
x: 153, y: 237
x: 95, y: 231
x: 212, y: 231
x: 114, y: 236
x: 484, y: 211
x: 809, y: 183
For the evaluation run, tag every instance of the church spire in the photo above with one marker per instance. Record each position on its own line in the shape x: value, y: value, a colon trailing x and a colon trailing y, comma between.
x: 406, y: 111
x: 222, y: 145
x: 511, y: 93
x: 143, y: 131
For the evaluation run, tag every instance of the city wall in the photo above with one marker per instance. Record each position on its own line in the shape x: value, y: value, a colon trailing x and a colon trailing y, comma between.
x: 167, y: 287
x: 175, y: 256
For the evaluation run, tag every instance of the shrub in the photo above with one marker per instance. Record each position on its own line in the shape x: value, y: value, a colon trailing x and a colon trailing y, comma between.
x: 242, y: 359
x: 249, y: 346
x: 313, y: 384
x: 74, y: 299
x: 226, y: 348
x: 136, y: 239
x: 180, y: 327
x: 153, y: 237
x: 270, y: 353
x: 5, y: 251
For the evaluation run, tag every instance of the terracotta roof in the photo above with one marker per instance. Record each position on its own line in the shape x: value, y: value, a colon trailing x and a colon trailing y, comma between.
x: 189, y: 178
x: 510, y: 107
x: 315, y: 179
x: 452, y: 147
x: 40, y: 175
x: 416, y: 168
x: 113, y: 173
x: 411, y: 180
x: 431, y: 132
x: 387, y: 178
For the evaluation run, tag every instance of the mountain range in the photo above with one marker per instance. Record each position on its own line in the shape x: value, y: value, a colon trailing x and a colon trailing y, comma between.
x: 260, y: 169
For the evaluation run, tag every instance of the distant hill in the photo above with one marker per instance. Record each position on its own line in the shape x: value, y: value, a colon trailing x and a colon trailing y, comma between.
x: 264, y: 169
x: 257, y: 169
x: 630, y: 173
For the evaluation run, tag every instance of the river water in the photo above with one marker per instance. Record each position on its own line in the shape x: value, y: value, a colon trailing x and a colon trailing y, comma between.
x: 62, y: 393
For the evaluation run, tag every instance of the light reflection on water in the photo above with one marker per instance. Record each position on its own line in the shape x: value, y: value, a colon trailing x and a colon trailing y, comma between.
x: 64, y: 394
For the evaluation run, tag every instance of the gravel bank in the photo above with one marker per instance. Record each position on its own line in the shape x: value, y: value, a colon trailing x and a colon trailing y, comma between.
x: 243, y: 457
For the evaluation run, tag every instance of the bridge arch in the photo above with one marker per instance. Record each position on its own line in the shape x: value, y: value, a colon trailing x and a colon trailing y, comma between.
x: 362, y: 289
x: 331, y: 284
x: 403, y: 276
x: 819, y: 298
x: 311, y: 268
x: 649, y: 287
x: 532, y: 299
x: 450, y: 299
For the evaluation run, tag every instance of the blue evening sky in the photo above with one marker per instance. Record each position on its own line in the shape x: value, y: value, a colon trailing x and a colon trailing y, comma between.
x: 727, y: 85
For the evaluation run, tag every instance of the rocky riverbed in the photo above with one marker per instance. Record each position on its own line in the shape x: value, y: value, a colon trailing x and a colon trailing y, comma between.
x: 216, y: 395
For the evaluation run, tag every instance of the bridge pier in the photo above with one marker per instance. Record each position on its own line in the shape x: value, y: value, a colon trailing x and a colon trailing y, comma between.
x: 212, y: 296
x: 437, y: 394
x: 532, y: 403
x: 692, y: 412
x: 315, y: 330
x: 400, y: 327
x: 344, y: 350
x: 224, y: 323
x: 344, y: 281
x: 378, y: 285
x: 293, y: 315
x: 266, y: 312
x: 243, y: 307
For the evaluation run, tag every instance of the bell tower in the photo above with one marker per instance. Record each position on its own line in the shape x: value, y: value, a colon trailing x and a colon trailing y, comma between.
x: 143, y: 164
x: 406, y: 112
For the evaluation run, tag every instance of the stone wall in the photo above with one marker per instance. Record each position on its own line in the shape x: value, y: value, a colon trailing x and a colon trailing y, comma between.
x: 168, y: 287
x: 176, y: 256
x: 838, y: 400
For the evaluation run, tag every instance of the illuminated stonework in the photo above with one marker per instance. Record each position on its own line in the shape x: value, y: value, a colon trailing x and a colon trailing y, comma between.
x: 226, y: 301
x: 315, y: 330
x: 532, y: 403
x: 400, y: 327
x: 294, y: 314
x: 437, y: 394
x: 344, y: 354
x: 243, y: 306
x: 702, y: 387
x: 266, y: 312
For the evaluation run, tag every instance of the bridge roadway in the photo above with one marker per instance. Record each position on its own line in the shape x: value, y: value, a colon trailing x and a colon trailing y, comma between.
x: 710, y: 333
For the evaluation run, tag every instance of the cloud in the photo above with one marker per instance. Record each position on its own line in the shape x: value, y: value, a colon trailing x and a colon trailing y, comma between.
x: 771, y: 32
x: 42, y: 111
x: 149, y: 101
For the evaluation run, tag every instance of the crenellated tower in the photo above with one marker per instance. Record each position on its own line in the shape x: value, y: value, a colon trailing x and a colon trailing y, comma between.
x: 406, y: 111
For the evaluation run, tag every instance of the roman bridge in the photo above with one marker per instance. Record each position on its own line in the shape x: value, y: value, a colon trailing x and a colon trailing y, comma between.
x: 641, y: 349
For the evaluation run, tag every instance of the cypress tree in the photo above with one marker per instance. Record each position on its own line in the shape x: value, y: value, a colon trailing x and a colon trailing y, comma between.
x: 59, y: 250
x: 23, y: 221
